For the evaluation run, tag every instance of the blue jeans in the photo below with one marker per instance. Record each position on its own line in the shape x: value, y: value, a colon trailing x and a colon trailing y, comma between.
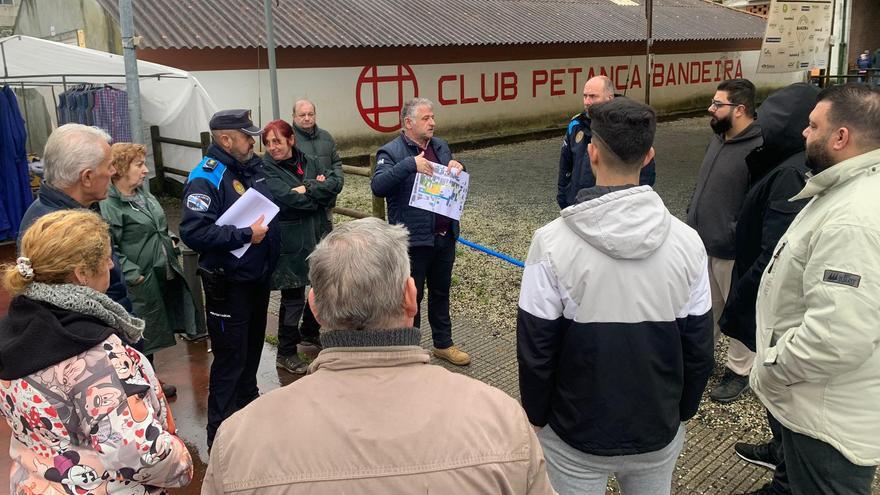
x: 434, y: 265
x: 574, y: 472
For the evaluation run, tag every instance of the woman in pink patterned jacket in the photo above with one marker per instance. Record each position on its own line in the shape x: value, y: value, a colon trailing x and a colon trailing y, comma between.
x: 87, y: 413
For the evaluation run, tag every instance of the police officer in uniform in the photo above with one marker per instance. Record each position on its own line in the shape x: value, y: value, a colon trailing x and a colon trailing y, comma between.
x: 575, y: 172
x: 236, y: 289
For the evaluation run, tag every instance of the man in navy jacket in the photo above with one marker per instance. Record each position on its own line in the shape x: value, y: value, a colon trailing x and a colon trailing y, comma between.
x: 431, y: 235
x: 236, y: 289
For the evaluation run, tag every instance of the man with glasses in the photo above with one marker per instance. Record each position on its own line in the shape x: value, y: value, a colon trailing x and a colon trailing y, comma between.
x: 722, y: 184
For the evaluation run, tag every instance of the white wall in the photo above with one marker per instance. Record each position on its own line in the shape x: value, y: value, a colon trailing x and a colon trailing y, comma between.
x: 528, y: 95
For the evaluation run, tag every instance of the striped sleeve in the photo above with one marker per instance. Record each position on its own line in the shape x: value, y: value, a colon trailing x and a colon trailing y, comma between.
x: 539, y: 327
x: 697, y: 341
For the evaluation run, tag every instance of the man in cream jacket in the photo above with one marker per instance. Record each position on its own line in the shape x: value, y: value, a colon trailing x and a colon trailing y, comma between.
x: 373, y: 416
x: 818, y: 313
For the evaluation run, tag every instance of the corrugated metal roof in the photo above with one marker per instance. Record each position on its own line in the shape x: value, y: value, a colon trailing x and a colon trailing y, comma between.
x: 392, y: 23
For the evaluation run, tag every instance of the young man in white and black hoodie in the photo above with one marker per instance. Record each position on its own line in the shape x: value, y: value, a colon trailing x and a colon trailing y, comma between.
x: 614, y: 329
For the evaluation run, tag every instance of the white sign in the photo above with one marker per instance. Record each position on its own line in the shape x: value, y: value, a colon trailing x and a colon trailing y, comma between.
x: 443, y: 192
x: 797, y: 36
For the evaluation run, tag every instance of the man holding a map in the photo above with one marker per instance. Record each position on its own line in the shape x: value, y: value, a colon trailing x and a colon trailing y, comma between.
x: 415, y: 154
x: 236, y: 281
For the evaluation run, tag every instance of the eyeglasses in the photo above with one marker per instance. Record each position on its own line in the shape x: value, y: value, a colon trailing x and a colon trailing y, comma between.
x: 719, y: 104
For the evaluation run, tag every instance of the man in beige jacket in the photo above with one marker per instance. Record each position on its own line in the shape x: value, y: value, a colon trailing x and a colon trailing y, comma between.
x: 373, y: 416
x: 818, y: 346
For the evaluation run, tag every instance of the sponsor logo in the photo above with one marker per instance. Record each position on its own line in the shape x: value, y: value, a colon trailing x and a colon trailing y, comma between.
x: 842, y: 278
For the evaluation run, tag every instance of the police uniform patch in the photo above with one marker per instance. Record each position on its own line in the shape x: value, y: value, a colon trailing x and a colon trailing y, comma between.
x: 579, y: 136
x: 210, y: 164
x: 239, y: 188
x: 198, y: 202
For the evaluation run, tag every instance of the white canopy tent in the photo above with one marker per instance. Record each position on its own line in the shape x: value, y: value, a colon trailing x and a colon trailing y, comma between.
x: 171, y: 98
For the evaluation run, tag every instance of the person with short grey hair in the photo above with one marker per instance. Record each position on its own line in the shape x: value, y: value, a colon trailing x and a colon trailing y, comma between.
x: 432, y: 235
x: 367, y: 261
x: 76, y: 174
x: 373, y: 412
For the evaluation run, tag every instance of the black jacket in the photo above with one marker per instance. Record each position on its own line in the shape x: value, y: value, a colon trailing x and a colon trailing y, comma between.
x: 393, y: 180
x: 722, y: 184
x: 51, y: 200
x: 212, y: 187
x: 776, y: 173
x: 575, y: 172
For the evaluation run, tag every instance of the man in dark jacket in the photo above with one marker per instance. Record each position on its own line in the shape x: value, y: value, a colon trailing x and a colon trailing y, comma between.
x: 777, y: 172
x: 76, y: 174
x: 575, y: 172
x: 319, y: 147
x: 236, y: 289
x: 721, y: 187
x: 432, y: 235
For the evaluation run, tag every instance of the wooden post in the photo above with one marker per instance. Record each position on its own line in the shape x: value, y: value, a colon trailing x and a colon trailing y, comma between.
x: 157, y: 159
x: 206, y: 141
x: 378, y: 203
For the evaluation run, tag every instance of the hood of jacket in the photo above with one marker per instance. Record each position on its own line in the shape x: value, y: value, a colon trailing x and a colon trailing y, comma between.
x: 625, y: 224
x: 36, y: 335
x: 783, y: 117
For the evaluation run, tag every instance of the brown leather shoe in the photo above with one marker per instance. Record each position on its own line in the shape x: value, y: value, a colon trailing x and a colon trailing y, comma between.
x: 454, y: 355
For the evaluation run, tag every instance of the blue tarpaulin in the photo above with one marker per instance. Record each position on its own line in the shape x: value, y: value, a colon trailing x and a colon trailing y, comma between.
x: 15, y: 188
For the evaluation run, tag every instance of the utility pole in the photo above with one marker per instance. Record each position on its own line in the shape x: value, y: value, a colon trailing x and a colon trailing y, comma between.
x: 132, y: 79
x: 649, y: 57
x: 270, y: 47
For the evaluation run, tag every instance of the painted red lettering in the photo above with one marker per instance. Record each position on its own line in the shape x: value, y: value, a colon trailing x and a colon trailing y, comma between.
x: 717, y: 70
x: 707, y: 66
x: 494, y: 88
x: 539, y: 77
x: 636, y: 79
x: 508, y: 85
x: 592, y: 73
x: 683, y: 76
x: 738, y: 73
x: 574, y: 71
x: 620, y: 82
x: 465, y: 99
x: 440, y: 97
x: 670, y: 75
x: 728, y: 66
x: 695, y: 74
x: 556, y: 81
x: 657, y: 76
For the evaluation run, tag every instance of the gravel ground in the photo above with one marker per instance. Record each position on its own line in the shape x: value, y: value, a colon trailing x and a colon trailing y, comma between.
x: 513, y: 193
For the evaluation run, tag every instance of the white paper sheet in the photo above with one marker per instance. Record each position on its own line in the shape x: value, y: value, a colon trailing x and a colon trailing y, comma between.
x: 443, y: 193
x: 245, y: 211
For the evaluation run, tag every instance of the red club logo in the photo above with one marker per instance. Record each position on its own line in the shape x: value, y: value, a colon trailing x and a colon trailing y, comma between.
x: 381, y: 92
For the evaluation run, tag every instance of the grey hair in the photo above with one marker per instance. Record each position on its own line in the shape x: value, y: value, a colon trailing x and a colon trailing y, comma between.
x: 71, y: 149
x: 409, y: 108
x: 303, y: 101
x: 358, y: 274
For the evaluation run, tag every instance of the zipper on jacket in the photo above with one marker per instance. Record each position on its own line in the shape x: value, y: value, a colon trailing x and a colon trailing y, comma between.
x: 776, y: 256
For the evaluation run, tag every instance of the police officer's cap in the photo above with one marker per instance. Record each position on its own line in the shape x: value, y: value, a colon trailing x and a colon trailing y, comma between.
x: 238, y: 119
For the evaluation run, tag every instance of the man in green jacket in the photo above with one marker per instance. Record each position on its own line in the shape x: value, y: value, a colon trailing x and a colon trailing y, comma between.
x: 319, y: 147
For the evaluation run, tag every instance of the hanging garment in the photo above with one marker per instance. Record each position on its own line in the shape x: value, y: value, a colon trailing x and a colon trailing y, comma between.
x: 15, y: 191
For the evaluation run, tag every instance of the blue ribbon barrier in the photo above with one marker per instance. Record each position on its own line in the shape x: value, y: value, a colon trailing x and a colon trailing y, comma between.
x: 490, y: 252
